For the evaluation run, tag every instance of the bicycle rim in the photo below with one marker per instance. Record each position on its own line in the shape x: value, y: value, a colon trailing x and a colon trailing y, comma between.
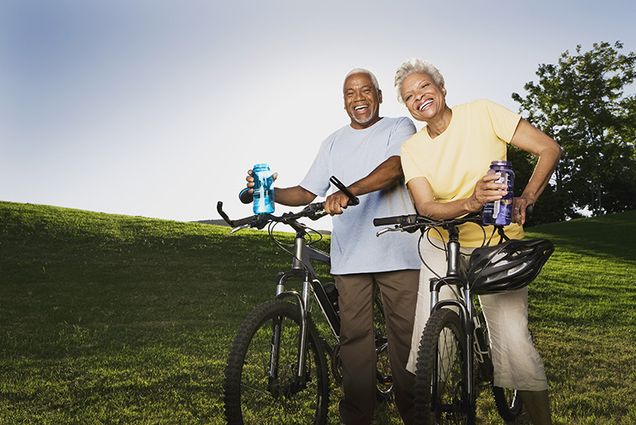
x: 251, y: 396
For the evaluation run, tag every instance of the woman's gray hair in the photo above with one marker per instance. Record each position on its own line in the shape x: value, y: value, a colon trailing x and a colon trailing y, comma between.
x: 364, y: 71
x: 416, y: 65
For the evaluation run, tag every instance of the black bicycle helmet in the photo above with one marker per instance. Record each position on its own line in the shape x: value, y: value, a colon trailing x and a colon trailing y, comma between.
x: 507, y: 266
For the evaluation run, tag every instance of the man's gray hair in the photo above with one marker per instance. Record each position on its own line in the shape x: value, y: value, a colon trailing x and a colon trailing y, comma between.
x: 363, y: 71
x: 416, y: 65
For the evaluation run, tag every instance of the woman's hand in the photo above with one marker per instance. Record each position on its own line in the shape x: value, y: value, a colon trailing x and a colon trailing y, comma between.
x: 487, y: 190
x: 519, y: 208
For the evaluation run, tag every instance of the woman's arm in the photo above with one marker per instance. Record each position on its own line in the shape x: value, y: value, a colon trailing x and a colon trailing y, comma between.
x: 532, y: 140
x: 486, y: 190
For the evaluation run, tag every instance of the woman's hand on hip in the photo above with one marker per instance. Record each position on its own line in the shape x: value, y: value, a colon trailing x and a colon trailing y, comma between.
x: 519, y: 207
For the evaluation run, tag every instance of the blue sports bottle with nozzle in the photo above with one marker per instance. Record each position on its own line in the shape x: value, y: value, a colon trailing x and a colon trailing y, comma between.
x: 263, y: 189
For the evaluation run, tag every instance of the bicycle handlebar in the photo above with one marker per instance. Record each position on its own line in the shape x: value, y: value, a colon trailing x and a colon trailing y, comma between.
x: 247, y: 197
x: 400, y: 220
x: 312, y: 211
x: 413, y: 222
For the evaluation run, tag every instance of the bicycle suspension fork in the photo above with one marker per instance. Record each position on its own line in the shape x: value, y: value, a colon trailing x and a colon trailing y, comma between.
x: 464, y: 307
x: 302, y: 301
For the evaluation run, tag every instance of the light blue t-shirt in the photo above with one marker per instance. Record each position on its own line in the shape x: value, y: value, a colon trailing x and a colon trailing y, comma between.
x: 351, y: 155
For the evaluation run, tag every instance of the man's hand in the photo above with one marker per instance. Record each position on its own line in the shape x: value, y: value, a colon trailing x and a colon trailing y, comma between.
x: 250, y: 180
x: 336, y: 203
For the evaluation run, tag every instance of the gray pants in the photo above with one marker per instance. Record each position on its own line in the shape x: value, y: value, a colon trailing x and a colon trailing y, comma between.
x: 357, y: 346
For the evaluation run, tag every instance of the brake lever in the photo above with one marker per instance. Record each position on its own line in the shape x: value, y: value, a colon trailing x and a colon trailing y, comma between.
x: 386, y: 230
x: 239, y: 228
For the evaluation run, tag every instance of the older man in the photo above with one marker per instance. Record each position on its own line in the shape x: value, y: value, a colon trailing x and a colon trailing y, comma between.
x: 365, y: 153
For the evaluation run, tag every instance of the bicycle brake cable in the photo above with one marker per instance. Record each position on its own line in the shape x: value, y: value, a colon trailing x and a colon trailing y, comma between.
x: 443, y: 248
x: 419, y: 253
x: 270, y: 230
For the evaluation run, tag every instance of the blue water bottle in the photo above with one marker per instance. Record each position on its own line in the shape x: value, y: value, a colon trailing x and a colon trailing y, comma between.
x: 263, y: 189
x: 499, y: 212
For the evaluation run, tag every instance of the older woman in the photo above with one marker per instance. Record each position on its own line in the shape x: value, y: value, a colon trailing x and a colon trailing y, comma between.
x: 445, y: 166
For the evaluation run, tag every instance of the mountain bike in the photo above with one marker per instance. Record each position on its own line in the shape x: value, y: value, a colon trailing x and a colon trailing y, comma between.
x: 277, y: 370
x: 454, y: 358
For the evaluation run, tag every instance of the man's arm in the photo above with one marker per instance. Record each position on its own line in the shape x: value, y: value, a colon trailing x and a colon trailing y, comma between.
x: 293, y: 196
x: 384, y: 176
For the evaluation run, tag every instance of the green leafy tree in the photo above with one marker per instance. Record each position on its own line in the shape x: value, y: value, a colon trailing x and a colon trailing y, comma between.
x: 582, y: 103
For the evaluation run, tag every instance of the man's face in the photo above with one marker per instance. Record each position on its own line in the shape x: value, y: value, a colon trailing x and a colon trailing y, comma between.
x: 361, y: 100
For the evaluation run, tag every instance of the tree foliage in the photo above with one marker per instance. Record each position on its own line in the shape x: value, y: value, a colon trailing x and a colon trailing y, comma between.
x: 582, y: 103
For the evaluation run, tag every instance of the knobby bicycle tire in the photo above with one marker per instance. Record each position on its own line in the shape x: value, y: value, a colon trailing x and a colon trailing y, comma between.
x: 443, y: 338
x: 508, y: 403
x: 249, y: 395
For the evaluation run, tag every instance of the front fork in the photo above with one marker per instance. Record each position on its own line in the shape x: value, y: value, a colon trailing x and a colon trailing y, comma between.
x: 465, y: 311
x: 303, y: 302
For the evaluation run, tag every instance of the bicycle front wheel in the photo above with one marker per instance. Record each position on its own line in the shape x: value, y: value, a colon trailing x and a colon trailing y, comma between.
x: 440, y: 395
x: 263, y: 388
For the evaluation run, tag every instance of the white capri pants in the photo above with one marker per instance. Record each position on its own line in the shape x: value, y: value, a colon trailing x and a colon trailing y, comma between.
x: 517, y: 364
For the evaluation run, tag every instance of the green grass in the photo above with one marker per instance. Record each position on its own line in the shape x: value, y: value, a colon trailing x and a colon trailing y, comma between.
x: 118, y: 319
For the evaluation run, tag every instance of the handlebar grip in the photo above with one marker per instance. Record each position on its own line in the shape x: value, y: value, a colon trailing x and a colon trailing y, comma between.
x: 245, y: 196
x: 353, y: 200
x: 399, y: 219
x: 234, y: 223
x: 219, y: 208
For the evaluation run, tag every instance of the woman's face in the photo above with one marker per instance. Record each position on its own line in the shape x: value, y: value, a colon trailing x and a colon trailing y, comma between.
x: 424, y: 99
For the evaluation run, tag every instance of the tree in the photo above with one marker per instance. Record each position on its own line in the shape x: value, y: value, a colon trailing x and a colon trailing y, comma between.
x: 581, y: 103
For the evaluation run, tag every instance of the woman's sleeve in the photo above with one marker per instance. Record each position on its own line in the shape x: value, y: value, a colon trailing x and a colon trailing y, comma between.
x: 504, y: 121
x: 409, y: 165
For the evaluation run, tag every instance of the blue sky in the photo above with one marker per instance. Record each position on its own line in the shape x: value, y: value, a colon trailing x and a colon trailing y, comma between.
x: 157, y: 108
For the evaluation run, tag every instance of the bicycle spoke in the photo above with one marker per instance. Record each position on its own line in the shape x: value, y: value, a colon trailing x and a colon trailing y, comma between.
x: 449, y: 378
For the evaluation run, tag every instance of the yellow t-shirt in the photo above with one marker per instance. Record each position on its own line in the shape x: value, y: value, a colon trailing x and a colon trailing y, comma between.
x: 455, y: 160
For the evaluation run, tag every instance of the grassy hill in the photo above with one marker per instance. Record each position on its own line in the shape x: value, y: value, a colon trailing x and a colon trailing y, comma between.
x: 117, y: 319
